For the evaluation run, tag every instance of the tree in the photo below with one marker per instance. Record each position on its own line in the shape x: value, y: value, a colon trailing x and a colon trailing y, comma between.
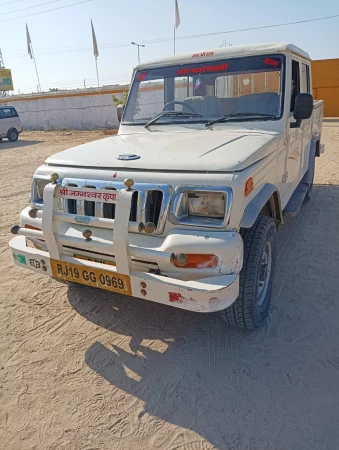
x: 123, y: 101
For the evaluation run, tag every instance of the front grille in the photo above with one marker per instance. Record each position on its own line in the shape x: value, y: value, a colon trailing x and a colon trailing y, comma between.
x: 149, y: 202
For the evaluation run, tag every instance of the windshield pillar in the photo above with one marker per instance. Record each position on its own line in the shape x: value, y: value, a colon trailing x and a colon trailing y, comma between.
x: 168, y: 90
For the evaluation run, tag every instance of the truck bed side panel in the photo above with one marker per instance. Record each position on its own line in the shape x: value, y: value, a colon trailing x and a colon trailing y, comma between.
x: 317, y: 121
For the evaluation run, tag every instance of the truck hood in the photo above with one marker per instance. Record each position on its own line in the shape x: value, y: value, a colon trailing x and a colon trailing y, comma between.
x: 196, y: 150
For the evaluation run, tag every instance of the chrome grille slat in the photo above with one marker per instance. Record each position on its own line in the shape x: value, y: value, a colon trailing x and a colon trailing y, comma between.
x: 142, y: 206
x: 80, y: 207
x: 99, y: 209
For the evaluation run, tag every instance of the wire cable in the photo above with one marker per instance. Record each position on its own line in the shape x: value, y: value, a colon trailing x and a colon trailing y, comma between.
x: 10, y: 3
x: 75, y: 49
x: 47, y: 10
x: 29, y: 7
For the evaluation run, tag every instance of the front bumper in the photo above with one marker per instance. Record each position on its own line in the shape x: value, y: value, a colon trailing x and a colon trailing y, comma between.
x: 207, y: 294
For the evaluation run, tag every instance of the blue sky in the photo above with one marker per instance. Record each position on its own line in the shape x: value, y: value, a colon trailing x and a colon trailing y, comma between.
x: 62, y: 38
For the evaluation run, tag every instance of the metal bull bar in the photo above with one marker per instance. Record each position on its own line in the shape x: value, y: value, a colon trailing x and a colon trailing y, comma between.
x: 121, y: 225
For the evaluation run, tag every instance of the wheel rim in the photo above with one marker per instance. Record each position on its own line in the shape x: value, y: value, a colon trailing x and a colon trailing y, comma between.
x: 265, y: 274
x: 12, y: 135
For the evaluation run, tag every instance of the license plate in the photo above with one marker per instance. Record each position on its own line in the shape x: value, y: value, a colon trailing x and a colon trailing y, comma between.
x: 103, y: 279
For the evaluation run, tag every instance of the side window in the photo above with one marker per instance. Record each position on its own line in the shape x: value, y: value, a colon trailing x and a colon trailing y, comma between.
x: 14, y: 113
x: 305, y: 78
x: 295, y: 84
x: 5, y: 113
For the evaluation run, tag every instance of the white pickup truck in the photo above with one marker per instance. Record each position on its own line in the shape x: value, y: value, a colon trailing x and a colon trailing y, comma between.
x: 182, y: 207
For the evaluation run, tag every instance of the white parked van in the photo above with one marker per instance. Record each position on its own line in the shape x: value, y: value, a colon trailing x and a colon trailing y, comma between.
x: 10, y: 123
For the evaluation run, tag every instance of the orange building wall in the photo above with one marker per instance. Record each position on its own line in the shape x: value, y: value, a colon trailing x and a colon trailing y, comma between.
x: 325, y: 81
x: 256, y: 83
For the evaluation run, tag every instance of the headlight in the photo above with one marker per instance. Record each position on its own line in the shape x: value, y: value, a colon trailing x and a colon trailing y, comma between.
x: 37, y: 192
x: 205, y: 204
x: 201, y: 206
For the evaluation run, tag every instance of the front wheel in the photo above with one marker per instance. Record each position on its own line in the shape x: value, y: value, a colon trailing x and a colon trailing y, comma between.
x: 252, y: 306
x: 13, y: 135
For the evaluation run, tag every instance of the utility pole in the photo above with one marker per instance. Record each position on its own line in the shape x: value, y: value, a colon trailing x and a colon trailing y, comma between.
x: 138, y: 45
x: 2, y: 66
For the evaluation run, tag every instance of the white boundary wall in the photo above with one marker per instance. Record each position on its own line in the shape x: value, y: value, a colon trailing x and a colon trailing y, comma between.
x: 78, y: 109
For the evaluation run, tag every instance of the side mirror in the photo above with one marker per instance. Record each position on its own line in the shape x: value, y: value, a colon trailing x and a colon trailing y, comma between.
x: 303, y: 109
x: 120, y: 111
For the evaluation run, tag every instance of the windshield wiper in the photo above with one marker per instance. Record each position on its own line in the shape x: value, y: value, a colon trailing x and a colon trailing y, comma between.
x: 226, y: 117
x: 170, y: 114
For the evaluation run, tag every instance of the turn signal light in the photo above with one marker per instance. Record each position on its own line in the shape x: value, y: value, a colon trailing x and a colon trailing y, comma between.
x: 248, y: 187
x: 30, y: 227
x: 196, y: 261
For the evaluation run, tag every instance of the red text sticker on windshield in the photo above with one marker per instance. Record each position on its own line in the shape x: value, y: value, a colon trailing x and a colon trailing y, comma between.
x: 205, y: 69
x: 271, y: 62
x: 142, y: 76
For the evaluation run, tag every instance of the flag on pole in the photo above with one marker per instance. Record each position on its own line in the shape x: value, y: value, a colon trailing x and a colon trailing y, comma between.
x: 29, y: 42
x: 176, y: 15
x: 95, y: 44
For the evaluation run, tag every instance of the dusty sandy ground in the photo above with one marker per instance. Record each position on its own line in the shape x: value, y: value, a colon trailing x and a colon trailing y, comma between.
x: 84, y: 369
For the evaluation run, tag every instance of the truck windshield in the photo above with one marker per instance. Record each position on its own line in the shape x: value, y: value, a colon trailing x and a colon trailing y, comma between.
x: 242, y: 89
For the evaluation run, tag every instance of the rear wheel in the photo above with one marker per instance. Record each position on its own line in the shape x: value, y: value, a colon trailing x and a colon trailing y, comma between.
x: 13, y: 135
x: 256, y: 277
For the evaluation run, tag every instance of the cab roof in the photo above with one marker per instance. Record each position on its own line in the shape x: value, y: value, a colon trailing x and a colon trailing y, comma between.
x: 225, y: 52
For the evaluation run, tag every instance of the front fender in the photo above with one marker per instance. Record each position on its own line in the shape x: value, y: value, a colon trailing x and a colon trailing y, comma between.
x: 257, y: 203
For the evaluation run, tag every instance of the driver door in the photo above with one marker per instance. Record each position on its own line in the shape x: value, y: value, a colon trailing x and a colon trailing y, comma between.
x: 294, y: 136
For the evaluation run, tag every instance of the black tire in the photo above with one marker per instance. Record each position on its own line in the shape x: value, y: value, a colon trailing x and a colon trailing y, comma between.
x: 251, y: 308
x: 1, y: 139
x: 12, y: 135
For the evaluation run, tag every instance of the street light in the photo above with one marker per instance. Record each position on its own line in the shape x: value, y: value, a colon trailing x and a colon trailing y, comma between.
x: 138, y: 45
